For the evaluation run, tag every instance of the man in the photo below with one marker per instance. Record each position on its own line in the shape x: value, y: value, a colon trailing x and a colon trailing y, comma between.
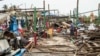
x: 72, y: 28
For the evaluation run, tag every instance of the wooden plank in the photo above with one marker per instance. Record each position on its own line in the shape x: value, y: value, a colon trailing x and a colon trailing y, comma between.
x: 89, y: 46
x: 95, y: 44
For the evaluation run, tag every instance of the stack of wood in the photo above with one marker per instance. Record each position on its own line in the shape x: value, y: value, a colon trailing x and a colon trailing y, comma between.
x: 94, y: 35
x: 93, y: 44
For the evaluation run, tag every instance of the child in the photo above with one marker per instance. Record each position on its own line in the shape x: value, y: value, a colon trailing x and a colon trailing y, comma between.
x: 50, y: 31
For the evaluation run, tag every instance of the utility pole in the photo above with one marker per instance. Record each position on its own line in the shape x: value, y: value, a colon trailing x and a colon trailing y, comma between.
x: 99, y: 10
x: 73, y: 13
x: 48, y: 11
x: 77, y: 10
x: 35, y: 18
x: 34, y: 26
x: 70, y: 14
x: 44, y: 14
x: 58, y: 12
x: 26, y: 21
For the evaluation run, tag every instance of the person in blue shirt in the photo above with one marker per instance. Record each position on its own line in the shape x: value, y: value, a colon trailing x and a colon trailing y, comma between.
x: 72, y: 28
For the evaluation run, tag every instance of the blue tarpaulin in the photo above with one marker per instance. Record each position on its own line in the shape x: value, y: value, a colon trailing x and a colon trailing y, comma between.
x: 13, y: 25
x: 21, y: 52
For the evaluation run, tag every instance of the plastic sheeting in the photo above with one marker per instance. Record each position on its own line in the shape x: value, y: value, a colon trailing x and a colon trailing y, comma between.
x: 92, y: 27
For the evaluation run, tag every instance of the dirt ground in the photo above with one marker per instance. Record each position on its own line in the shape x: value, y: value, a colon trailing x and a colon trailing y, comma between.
x: 56, y: 46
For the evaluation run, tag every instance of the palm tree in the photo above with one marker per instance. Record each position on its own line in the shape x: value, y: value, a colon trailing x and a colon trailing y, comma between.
x: 14, y: 7
x: 5, y: 7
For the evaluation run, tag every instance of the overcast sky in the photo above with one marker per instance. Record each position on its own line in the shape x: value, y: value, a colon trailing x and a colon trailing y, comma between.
x: 64, y: 6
